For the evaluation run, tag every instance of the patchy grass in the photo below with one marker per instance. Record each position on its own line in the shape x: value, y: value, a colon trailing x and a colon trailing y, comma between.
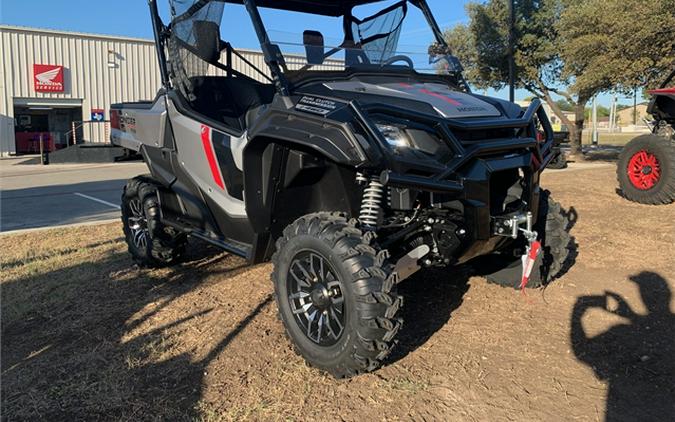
x: 86, y: 335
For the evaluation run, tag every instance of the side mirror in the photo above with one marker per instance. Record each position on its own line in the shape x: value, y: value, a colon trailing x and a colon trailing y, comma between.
x: 314, y: 47
x: 442, y: 57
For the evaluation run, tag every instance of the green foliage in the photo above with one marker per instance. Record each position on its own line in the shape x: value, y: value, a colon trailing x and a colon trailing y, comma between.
x: 617, y: 44
x: 575, y: 49
x: 482, y: 45
x: 565, y: 105
x: 602, y: 111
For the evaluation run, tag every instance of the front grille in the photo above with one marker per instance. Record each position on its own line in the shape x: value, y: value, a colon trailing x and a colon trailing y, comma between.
x: 483, y: 135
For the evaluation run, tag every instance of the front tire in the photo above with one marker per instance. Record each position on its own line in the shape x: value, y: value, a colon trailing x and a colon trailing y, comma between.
x: 646, y: 170
x: 150, y: 242
x: 336, y: 294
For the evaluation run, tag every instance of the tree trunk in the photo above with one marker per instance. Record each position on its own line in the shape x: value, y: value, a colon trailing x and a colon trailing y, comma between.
x: 558, y: 111
x: 578, y: 129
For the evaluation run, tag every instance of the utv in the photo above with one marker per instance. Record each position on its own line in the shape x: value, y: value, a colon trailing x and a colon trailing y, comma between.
x: 350, y: 167
x: 646, y: 167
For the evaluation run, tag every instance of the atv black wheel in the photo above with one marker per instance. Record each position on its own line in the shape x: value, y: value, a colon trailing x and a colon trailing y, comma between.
x: 336, y: 294
x: 552, y: 225
x: 151, y: 243
x: 558, y: 162
x: 646, y: 170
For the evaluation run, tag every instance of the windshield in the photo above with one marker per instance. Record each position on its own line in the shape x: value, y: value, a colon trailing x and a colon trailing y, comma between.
x: 395, y: 37
x: 379, y: 37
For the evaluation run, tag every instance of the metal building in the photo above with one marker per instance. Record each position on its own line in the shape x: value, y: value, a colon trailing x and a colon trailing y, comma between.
x: 52, y: 82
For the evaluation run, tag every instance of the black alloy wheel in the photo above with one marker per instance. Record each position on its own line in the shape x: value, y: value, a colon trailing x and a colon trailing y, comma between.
x: 316, y: 298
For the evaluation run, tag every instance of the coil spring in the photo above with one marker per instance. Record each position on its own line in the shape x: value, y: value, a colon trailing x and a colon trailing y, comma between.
x: 371, y: 205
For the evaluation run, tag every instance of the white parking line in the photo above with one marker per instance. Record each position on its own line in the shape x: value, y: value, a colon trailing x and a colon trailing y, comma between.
x: 100, y: 201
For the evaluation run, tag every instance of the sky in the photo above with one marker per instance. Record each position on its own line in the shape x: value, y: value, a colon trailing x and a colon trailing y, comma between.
x: 131, y: 18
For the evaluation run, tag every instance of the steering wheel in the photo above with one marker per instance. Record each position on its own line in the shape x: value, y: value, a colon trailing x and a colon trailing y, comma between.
x: 400, y: 58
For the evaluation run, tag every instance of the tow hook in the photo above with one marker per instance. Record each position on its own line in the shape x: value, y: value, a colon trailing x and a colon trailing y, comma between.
x: 512, y: 227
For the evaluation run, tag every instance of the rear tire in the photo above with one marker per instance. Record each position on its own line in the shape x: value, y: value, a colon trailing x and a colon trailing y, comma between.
x: 326, y: 270
x: 552, y: 226
x: 151, y: 243
x: 646, y: 170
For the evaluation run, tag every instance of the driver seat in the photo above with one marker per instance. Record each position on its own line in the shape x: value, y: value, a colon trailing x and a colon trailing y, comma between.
x: 229, y: 99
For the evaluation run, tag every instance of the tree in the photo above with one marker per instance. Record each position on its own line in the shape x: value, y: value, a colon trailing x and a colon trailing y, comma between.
x: 565, y: 105
x: 601, y: 110
x: 573, y: 49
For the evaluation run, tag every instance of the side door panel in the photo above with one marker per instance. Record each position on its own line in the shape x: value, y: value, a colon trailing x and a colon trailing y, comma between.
x: 205, y: 155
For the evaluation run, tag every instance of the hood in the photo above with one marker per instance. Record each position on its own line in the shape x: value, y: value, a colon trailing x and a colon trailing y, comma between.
x: 447, y: 102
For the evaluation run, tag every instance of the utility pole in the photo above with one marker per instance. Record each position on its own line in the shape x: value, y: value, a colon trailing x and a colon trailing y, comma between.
x: 512, y: 64
x: 635, y: 107
x: 594, y: 118
x: 612, y: 115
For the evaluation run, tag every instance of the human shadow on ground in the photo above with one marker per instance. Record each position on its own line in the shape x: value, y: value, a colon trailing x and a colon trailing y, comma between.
x: 430, y: 298
x: 72, y: 348
x: 636, y: 358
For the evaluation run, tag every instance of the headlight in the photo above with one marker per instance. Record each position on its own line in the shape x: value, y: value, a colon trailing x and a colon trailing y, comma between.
x: 395, y: 136
x: 414, y: 140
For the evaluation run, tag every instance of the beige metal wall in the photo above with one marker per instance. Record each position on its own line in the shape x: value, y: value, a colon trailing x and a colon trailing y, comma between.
x: 99, y: 70
x: 132, y: 74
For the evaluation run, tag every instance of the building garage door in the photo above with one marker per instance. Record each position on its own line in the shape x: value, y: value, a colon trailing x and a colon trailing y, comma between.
x: 49, y: 120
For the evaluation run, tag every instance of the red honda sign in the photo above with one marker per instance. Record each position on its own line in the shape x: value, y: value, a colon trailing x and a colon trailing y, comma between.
x: 48, y: 78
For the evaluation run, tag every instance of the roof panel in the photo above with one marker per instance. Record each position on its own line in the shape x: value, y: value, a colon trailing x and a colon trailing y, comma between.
x: 317, y: 7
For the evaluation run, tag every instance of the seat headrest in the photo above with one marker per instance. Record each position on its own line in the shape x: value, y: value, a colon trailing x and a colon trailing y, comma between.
x: 207, y: 37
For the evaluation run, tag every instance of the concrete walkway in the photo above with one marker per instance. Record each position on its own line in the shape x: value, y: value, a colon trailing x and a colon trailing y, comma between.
x: 36, y: 196
x: 33, y: 196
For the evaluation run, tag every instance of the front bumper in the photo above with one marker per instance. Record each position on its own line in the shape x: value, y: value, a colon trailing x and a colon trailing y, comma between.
x: 476, y: 173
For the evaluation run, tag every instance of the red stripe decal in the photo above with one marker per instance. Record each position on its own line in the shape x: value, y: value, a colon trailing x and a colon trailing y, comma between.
x: 535, y: 162
x: 211, y: 156
x: 441, y: 96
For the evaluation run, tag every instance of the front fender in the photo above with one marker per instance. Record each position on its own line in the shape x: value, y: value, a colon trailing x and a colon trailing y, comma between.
x: 284, y: 181
x: 331, y: 139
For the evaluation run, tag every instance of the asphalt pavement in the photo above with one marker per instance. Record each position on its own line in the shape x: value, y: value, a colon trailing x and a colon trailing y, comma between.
x: 35, y: 196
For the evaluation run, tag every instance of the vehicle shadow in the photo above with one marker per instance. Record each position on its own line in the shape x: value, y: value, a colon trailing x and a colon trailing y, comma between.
x: 635, y: 358
x: 430, y: 298
x: 600, y: 153
x: 603, y: 153
x: 72, y: 348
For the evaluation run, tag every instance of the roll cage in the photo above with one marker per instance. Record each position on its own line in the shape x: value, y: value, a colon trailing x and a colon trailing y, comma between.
x: 272, y: 54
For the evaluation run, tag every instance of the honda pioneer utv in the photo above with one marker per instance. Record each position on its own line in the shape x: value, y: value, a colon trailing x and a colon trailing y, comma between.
x: 646, y: 166
x: 350, y: 167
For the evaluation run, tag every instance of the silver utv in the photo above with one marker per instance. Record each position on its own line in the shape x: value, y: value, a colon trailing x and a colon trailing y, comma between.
x: 350, y: 166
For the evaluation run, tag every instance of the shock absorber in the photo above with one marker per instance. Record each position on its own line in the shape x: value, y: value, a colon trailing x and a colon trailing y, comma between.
x: 371, y: 205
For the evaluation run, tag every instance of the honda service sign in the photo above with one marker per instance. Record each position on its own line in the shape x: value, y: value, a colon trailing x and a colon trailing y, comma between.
x: 48, y: 78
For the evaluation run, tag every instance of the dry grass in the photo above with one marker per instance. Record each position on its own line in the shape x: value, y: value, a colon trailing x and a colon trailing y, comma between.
x: 87, y: 335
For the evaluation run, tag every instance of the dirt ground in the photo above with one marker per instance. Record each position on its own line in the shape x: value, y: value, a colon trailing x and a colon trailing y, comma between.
x: 87, y: 335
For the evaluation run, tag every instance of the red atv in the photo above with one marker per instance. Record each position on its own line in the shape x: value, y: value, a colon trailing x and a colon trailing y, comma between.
x: 646, y: 168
